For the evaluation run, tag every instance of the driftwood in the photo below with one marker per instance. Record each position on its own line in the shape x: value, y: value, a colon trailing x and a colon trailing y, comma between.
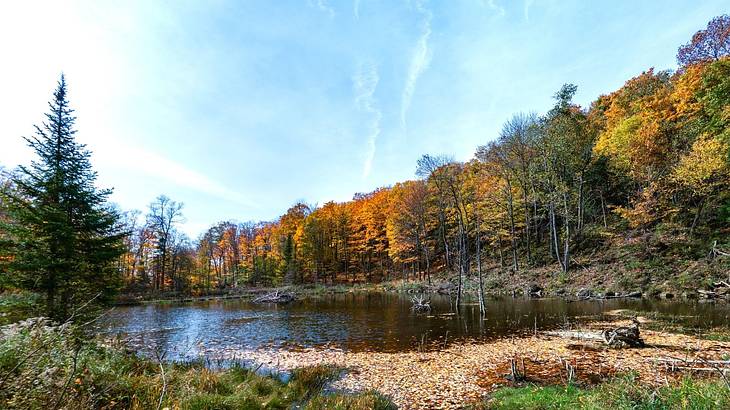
x: 420, y: 304
x: 635, y: 294
x: 573, y: 334
x: 276, y: 297
x: 716, y: 252
x: 624, y: 335
x: 722, y: 367
x: 619, y: 336
x: 707, y: 294
x: 516, y: 375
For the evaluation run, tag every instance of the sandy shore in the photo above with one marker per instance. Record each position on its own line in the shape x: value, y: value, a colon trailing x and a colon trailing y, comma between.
x: 464, y: 373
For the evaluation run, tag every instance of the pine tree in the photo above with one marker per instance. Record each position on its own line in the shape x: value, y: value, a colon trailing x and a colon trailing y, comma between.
x: 64, y: 236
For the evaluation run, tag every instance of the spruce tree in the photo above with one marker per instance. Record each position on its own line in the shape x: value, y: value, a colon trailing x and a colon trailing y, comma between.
x: 63, y: 235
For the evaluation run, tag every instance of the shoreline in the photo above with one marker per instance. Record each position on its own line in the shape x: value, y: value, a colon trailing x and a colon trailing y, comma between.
x: 411, y: 287
x: 468, y: 372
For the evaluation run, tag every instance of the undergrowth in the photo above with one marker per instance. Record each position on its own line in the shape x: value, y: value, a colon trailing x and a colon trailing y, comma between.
x: 52, y: 367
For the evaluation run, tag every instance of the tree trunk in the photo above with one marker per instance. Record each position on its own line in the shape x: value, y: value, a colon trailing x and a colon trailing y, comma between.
x: 513, y: 237
x: 482, y: 308
x: 566, y: 241
x: 603, y: 209
x: 696, y: 219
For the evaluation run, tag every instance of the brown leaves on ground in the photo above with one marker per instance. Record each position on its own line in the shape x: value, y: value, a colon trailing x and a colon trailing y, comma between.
x: 464, y: 373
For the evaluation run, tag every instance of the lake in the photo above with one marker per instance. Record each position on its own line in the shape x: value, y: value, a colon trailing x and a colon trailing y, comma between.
x: 363, y: 322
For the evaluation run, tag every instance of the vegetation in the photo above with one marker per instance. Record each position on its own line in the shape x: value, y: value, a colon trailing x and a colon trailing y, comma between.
x: 59, y: 236
x: 621, y: 393
x: 650, y: 160
x: 50, y: 367
x: 646, y: 163
x: 639, y: 181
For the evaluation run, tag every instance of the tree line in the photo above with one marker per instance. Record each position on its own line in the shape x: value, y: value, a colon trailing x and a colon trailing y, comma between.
x: 653, y: 153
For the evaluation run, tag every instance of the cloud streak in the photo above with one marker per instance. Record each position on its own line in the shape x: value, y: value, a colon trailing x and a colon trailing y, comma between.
x: 420, y: 59
x: 364, y: 83
x: 322, y: 6
x: 528, y: 3
x: 492, y: 4
x: 356, y: 9
x: 138, y: 160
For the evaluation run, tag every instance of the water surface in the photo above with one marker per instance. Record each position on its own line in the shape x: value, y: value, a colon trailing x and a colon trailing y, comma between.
x: 363, y: 321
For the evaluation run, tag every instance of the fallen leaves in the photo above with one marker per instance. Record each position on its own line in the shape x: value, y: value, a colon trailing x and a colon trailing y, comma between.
x: 467, y: 372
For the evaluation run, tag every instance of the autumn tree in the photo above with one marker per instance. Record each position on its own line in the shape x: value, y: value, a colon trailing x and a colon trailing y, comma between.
x: 163, y: 217
x: 406, y: 226
x: 709, y: 44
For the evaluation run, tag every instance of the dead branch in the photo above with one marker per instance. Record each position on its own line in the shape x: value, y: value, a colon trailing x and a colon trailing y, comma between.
x: 159, y: 358
x: 420, y: 304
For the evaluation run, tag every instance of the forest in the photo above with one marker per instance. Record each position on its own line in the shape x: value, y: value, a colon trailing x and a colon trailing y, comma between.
x: 651, y: 156
x: 561, y: 229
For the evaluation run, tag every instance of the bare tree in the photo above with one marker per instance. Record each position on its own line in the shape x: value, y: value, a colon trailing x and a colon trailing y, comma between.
x: 163, y: 215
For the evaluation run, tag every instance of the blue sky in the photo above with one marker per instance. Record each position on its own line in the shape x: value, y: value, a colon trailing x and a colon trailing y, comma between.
x: 240, y: 108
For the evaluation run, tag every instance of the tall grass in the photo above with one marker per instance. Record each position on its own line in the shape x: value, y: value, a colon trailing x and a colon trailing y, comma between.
x: 47, y: 367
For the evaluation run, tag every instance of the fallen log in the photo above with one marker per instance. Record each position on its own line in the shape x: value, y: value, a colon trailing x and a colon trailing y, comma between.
x: 573, y: 334
x: 276, y: 297
x: 707, y: 294
x: 618, y: 337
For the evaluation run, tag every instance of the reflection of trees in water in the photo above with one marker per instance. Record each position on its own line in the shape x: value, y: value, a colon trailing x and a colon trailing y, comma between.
x: 364, y: 321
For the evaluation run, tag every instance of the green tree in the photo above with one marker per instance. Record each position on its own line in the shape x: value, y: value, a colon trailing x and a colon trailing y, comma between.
x: 64, y: 237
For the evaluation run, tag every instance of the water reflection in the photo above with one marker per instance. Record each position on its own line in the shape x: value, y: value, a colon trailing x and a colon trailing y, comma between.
x: 362, y: 321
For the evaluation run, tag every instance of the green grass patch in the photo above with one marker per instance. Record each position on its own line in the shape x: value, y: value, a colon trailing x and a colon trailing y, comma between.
x: 621, y: 393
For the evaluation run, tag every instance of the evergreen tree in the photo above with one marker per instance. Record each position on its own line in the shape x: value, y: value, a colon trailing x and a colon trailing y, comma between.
x: 63, y: 234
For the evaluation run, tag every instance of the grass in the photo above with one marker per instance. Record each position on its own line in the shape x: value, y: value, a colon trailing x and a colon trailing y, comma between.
x: 44, y: 367
x: 621, y: 393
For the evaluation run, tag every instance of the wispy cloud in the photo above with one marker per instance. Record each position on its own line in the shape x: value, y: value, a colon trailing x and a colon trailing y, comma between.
x: 322, y: 6
x: 364, y: 83
x: 420, y: 58
x: 492, y: 4
x: 153, y: 165
x: 528, y: 3
x: 356, y: 9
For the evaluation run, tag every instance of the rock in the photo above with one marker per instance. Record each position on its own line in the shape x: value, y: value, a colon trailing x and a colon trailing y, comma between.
x: 610, y: 294
x: 634, y: 294
x: 584, y: 293
x: 534, y: 290
x: 689, y: 295
x: 445, y: 288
